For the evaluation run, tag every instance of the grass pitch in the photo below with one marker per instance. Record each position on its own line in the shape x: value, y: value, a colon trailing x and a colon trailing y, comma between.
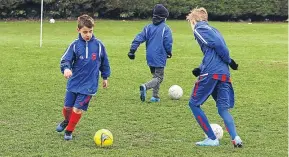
x: 32, y: 92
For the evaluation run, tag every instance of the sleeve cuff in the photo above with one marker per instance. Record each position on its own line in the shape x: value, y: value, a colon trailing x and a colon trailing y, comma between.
x: 230, y: 60
x: 132, y: 51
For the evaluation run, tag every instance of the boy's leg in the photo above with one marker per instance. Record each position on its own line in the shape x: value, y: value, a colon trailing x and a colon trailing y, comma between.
x: 158, y: 76
x: 203, y: 121
x: 202, y: 90
x: 74, y: 119
x: 143, y: 88
x: 66, y: 111
x: 224, y: 97
x: 230, y: 126
x: 70, y: 98
x: 81, y: 104
x: 159, y: 73
x: 229, y: 122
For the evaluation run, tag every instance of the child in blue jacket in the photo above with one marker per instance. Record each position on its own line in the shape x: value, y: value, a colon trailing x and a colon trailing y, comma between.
x: 214, y: 78
x: 158, y: 38
x: 81, y: 64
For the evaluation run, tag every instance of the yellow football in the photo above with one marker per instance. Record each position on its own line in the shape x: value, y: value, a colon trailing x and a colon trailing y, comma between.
x: 103, y: 138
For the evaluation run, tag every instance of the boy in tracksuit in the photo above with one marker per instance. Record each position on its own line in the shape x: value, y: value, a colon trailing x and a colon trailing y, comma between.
x: 81, y: 64
x: 214, y: 78
x: 158, y: 38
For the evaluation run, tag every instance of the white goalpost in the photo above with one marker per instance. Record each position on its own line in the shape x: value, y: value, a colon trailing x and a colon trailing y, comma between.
x: 41, y: 23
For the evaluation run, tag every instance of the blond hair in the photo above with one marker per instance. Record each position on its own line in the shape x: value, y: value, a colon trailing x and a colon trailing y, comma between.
x: 85, y: 20
x: 198, y: 14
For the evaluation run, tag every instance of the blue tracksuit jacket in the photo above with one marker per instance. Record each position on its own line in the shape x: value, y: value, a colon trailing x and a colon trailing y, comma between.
x: 216, y: 54
x: 86, y: 59
x: 159, y: 43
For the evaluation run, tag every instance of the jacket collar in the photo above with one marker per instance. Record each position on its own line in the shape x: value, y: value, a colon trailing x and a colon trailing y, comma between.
x: 158, y: 20
x: 200, y: 23
x: 80, y: 38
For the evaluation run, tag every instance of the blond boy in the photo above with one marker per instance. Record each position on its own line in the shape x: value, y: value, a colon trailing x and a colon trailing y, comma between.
x: 213, y: 78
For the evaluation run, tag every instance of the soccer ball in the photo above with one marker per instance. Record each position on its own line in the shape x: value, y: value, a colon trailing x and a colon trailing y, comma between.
x: 103, y: 138
x: 175, y: 92
x: 218, y: 131
x: 51, y: 21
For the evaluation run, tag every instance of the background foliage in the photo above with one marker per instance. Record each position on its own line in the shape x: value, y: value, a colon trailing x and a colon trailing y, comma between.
x: 127, y: 9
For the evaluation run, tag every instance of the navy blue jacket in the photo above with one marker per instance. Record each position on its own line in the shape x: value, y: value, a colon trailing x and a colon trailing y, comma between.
x: 216, y: 54
x: 86, y: 59
x: 159, y: 43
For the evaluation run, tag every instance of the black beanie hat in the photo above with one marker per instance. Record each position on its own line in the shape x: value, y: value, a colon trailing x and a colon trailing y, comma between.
x: 161, y: 11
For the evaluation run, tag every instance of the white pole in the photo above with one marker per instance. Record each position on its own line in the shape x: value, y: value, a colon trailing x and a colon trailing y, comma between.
x: 41, y: 23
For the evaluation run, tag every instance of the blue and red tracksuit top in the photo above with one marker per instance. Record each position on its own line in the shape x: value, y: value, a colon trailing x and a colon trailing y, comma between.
x: 216, y: 54
x: 159, y: 43
x: 86, y: 59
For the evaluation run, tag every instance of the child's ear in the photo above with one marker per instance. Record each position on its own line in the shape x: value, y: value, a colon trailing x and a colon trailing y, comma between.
x: 77, y: 29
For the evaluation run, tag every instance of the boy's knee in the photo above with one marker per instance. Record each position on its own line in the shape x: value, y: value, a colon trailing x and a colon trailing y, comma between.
x: 221, y: 110
x: 160, y: 79
x: 67, y: 108
x: 224, y: 104
x: 224, y: 113
x: 76, y: 110
x: 193, y: 106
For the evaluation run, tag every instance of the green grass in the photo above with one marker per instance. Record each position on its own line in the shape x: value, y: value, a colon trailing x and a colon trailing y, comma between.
x: 32, y: 93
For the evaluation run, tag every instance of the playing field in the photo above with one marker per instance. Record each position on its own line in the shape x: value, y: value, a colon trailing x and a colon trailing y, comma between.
x: 32, y: 93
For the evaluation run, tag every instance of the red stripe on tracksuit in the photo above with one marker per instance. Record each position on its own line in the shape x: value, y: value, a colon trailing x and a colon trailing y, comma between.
x: 86, y: 100
x: 222, y: 78
x: 227, y: 128
x: 197, y: 86
x: 215, y: 76
x: 204, y: 126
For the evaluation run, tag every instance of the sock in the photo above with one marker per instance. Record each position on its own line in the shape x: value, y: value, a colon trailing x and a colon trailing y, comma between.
x: 229, y: 122
x: 73, y: 121
x: 203, y: 121
x: 66, y: 113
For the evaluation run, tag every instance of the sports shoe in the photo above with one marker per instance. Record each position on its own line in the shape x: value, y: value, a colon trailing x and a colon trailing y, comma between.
x: 142, y: 90
x: 208, y: 142
x: 68, y: 135
x: 237, y: 142
x: 61, y: 126
x: 154, y: 99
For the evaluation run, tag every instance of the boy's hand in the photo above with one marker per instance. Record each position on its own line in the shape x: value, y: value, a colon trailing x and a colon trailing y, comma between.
x: 233, y: 65
x: 104, y: 84
x: 67, y: 73
x: 131, y: 55
x: 196, y: 72
x: 169, y: 55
